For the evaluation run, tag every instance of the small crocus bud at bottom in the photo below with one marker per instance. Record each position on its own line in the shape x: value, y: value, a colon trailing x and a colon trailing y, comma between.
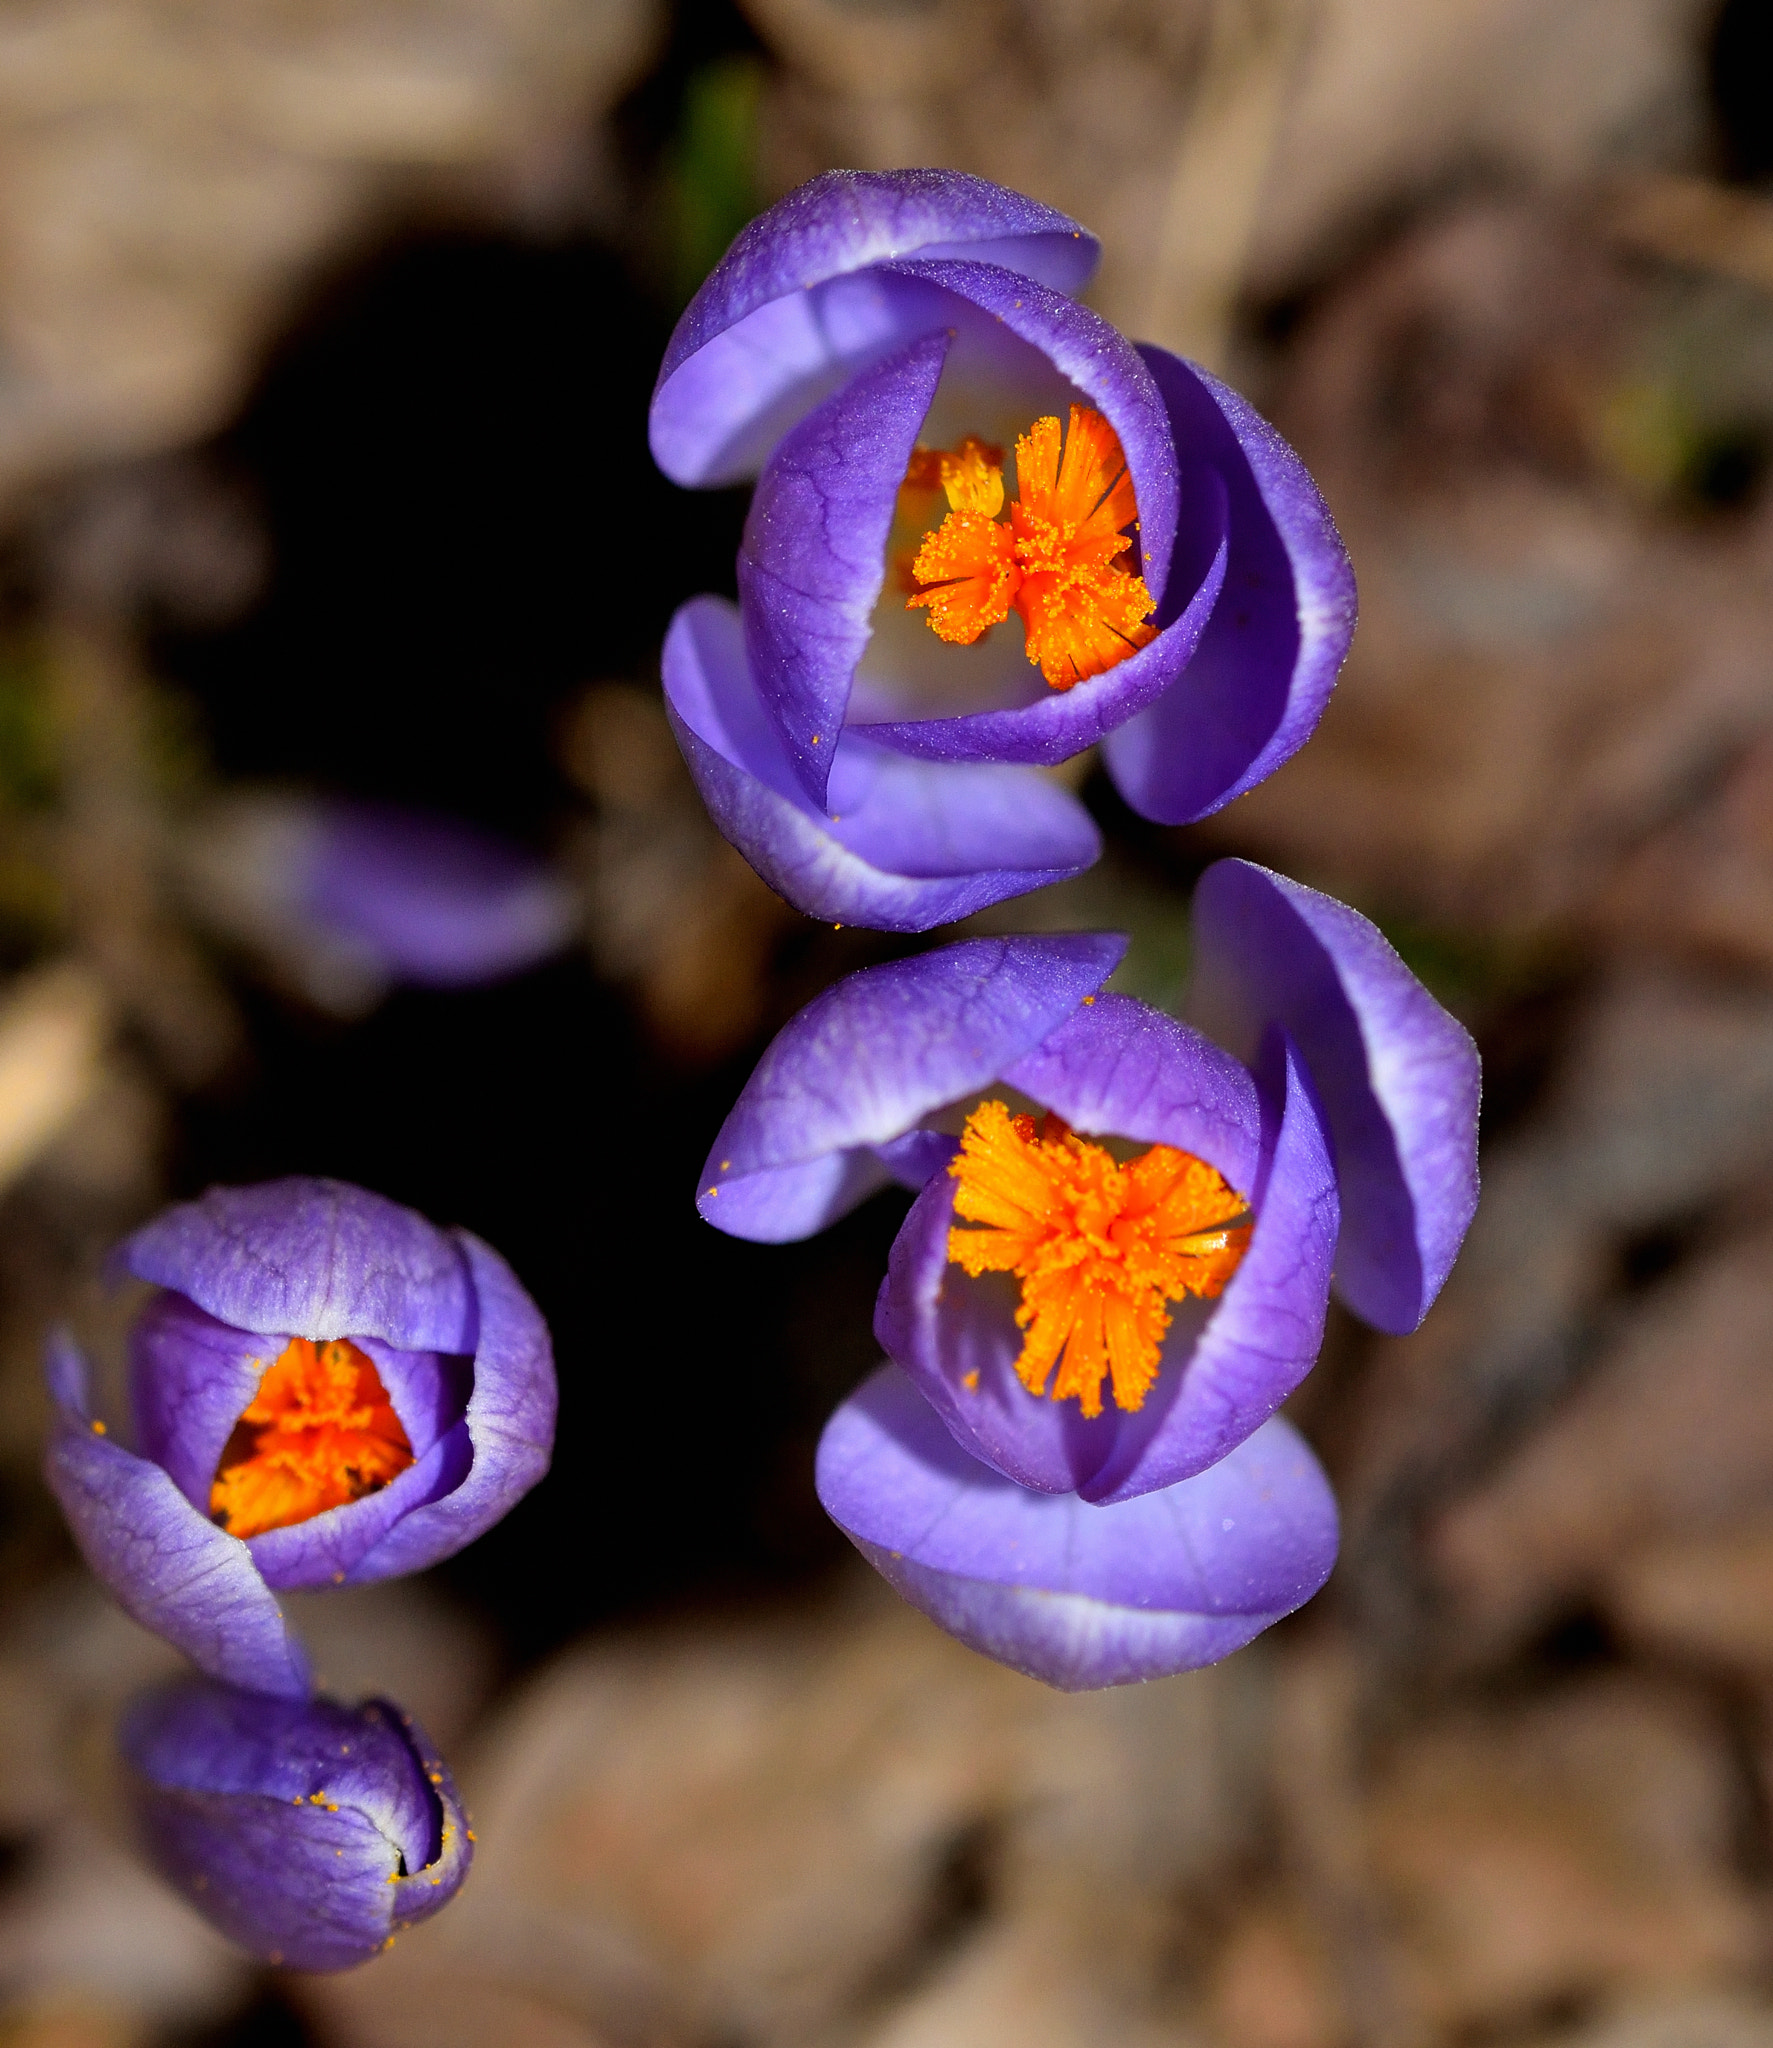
x: 309, y: 1832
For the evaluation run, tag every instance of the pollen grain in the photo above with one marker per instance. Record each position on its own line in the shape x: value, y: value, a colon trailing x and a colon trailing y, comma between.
x: 1099, y: 1246
x: 320, y: 1433
x: 1055, y: 560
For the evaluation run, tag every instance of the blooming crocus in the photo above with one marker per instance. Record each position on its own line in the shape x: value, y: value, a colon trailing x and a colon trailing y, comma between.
x: 987, y: 532
x: 310, y: 1833
x: 1121, y: 1257
x: 348, y: 900
x: 327, y: 1390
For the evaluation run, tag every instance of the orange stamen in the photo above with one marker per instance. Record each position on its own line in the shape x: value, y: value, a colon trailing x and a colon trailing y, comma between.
x: 1098, y: 1246
x: 1055, y: 559
x: 319, y: 1434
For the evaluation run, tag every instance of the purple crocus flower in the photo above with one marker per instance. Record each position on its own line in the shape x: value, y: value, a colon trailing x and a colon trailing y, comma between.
x: 1169, y: 1272
x: 1077, y: 1595
x: 880, y: 335
x: 308, y: 1832
x: 329, y: 1390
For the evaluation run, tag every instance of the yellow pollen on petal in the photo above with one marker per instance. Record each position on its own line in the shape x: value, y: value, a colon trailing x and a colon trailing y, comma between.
x: 1099, y: 1246
x: 1057, y: 557
x: 319, y: 1433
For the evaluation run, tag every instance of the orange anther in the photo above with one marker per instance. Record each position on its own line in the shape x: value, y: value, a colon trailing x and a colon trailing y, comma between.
x: 320, y: 1433
x: 1055, y: 559
x: 1098, y: 1246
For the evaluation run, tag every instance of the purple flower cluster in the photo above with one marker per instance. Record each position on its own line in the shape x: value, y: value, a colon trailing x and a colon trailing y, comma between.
x: 1126, y: 1229
x: 325, y: 1390
x: 871, y: 771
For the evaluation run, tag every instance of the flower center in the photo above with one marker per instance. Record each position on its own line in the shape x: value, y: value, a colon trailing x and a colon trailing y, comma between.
x: 1055, y: 558
x: 1098, y: 1246
x: 319, y: 1434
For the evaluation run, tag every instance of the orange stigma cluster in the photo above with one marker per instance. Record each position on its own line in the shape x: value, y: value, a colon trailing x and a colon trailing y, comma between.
x: 1054, y: 560
x: 1098, y: 1246
x: 319, y: 1434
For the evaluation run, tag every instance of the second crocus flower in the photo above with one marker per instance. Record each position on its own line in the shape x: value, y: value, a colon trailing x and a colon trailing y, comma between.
x: 1122, y: 1253
x: 327, y: 1390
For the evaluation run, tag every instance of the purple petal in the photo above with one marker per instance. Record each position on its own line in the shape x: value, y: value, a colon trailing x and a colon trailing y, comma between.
x: 166, y: 1563
x: 814, y: 554
x: 1076, y: 1595
x: 191, y: 1379
x: 328, y: 1548
x: 430, y: 900
x: 1263, y: 1335
x: 1227, y: 1365
x: 509, y: 1428
x: 773, y: 329
x: 867, y: 1060
x: 1398, y: 1077
x: 913, y: 846
x: 428, y: 1393
x: 313, y: 1258
x: 1267, y: 662
x: 1120, y: 1068
x: 309, y: 1833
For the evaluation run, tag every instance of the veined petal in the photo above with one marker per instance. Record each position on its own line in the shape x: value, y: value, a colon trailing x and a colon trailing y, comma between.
x: 1266, y: 664
x: 167, y: 1564
x: 912, y: 845
x: 308, y: 1832
x: 865, y: 1062
x: 773, y: 328
x: 1076, y: 1595
x: 318, y: 1258
x: 1398, y: 1077
x: 814, y: 553
x: 505, y: 1440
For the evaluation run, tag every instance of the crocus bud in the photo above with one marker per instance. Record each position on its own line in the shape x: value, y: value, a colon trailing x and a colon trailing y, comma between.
x: 310, y: 1833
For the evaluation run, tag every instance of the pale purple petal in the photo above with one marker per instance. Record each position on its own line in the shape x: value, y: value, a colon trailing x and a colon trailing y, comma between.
x: 309, y: 1833
x: 1398, y: 1077
x: 508, y: 1428
x: 773, y: 329
x: 912, y: 847
x: 428, y: 1392
x: 168, y: 1566
x: 1267, y: 662
x: 1227, y: 1365
x: 813, y: 557
x: 313, y: 1258
x: 1077, y: 1595
x: 327, y: 1548
x: 1119, y: 1068
x: 1262, y: 1336
x: 430, y: 900
x: 869, y: 1059
x: 191, y: 1379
